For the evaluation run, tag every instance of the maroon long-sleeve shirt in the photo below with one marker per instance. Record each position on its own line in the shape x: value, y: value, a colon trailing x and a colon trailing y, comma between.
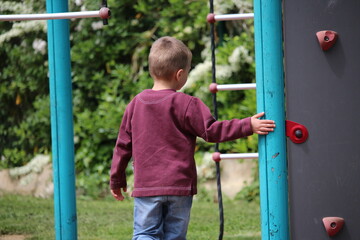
x: 159, y: 130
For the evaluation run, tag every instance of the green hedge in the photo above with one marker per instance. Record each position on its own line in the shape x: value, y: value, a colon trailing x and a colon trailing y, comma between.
x: 109, y: 67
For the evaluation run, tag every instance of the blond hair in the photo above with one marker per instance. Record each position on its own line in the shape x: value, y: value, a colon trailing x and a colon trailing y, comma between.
x: 167, y: 56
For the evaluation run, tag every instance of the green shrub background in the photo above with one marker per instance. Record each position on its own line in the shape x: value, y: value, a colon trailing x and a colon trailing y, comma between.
x: 109, y: 67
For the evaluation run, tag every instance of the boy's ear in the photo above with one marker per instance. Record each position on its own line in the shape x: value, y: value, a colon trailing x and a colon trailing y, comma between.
x: 179, y: 74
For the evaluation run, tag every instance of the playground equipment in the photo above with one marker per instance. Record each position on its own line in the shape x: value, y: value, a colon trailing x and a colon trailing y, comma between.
x: 322, y: 93
x: 61, y: 109
x: 223, y: 87
x: 212, y: 18
x: 269, y: 66
x: 320, y: 81
x: 103, y: 13
x: 270, y: 92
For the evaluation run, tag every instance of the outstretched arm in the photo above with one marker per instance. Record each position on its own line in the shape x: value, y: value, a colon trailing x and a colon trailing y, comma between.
x: 200, y: 122
x: 261, y: 127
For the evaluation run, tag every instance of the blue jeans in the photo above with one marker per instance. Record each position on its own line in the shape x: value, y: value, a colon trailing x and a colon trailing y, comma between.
x: 161, y: 217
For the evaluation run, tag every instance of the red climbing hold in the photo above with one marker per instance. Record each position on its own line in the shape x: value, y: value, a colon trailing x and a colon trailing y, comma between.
x: 327, y: 39
x: 333, y: 225
x: 296, y: 132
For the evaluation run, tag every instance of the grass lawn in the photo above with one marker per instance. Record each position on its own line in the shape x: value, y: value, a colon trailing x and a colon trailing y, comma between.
x: 110, y: 220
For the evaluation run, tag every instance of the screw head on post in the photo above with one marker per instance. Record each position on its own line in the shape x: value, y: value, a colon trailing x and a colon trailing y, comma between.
x: 298, y: 133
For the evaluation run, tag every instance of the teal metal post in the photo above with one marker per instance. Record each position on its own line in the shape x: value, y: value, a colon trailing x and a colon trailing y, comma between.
x: 62, y: 123
x: 270, y: 99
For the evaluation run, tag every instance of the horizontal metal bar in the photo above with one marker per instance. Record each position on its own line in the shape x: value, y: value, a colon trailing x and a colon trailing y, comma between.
x: 231, y: 156
x: 224, y: 87
x: 229, y: 17
x: 243, y: 86
x: 102, y: 13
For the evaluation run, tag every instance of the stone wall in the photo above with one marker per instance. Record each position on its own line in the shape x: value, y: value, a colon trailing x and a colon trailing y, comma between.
x: 34, y: 179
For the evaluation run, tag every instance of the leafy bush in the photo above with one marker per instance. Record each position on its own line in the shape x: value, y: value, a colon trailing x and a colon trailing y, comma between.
x: 250, y: 193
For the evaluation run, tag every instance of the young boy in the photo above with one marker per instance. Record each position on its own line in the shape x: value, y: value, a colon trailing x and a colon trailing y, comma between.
x: 159, y: 130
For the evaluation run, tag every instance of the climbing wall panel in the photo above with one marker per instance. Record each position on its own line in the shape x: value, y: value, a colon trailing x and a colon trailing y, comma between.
x: 323, y: 94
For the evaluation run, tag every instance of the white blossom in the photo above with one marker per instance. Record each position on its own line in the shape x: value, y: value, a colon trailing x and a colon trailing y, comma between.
x: 188, y: 30
x: 222, y: 6
x: 19, y: 29
x: 223, y: 71
x: 79, y: 26
x: 244, y: 6
x: 206, y: 169
x: 199, y: 72
x: 35, y: 165
x: 206, y: 53
x: 239, y: 55
x: 76, y: 139
x: 134, y: 22
x: 19, y: 8
x: 39, y: 45
x: 78, y: 2
x: 97, y: 25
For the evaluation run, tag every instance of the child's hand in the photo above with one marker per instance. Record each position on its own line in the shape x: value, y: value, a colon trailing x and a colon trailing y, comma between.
x: 261, y: 127
x: 117, y: 194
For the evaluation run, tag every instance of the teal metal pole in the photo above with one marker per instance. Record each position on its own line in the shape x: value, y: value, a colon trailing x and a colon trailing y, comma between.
x: 270, y: 99
x: 62, y: 123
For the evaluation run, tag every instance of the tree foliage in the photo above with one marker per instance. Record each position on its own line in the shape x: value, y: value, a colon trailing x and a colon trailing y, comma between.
x: 109, y: 67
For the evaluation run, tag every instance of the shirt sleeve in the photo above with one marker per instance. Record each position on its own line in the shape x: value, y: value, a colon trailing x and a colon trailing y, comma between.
x: 200, y: 122
x: 121, y: 155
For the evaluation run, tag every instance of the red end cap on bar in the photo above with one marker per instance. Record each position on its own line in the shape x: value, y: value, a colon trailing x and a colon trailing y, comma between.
x: 105, y: 13
x: 216, y: 156
x: 213, y: 88
x: 211, y: 18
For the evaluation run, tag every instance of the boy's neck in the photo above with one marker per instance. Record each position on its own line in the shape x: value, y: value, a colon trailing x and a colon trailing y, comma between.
x: 162, y: 85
